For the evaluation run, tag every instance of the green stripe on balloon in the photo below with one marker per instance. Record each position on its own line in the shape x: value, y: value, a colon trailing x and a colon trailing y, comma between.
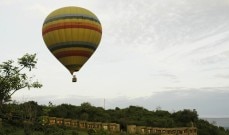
x: 71, y: 16
x: 79, y: 44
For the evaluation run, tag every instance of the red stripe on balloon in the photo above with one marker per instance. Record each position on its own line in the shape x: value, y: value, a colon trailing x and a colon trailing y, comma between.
x: 73, y: 53
x: 70, y: 26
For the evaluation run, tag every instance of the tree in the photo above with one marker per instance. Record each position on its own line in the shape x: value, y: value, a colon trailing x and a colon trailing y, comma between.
x: 13, y: 79
x: 31, y: 110
x: 185, y: 117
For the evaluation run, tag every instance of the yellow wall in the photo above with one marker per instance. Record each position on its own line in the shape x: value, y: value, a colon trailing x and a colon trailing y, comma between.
x: 114, y: 127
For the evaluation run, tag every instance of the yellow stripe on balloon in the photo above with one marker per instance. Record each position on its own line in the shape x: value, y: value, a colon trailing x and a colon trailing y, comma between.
x: 68, y: 35
x: 73, y: 60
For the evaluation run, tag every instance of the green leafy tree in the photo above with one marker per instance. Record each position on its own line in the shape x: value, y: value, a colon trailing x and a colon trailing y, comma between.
x: 14, y: 78
x: 30, y: 111
x: 185, y: 117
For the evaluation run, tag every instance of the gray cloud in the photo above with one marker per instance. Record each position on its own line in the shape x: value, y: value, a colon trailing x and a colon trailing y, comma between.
x: 165, y: 75
x: 208, y: 101
x: 172, y: 31
x: 165, y: 23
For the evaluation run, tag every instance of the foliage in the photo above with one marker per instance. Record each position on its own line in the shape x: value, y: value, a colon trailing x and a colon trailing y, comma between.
x: 28, y: 128
x: 102, y: 132
x: 91, y: 132
x: 136, y: 115
x: 75, y: 132
x: 185, y: 117
x: 84, y: 112
x: 7, y: 128
x: 205, y: 128
x: 12, y: 77
x: 53, y: 130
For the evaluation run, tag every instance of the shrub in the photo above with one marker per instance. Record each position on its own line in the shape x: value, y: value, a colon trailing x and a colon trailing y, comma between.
x: 91, y: 132
x: 75, y: 132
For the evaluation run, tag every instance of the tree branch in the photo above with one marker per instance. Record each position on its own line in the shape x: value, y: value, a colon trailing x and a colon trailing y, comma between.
x: 16, y: 90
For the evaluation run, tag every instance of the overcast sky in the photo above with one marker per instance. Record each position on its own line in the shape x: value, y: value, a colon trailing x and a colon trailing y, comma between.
x: 168, y: 53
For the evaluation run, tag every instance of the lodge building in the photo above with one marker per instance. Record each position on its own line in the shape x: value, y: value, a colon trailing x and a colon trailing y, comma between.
x: 115, y: 128
x: 112, y: 127
x: 143, y: 130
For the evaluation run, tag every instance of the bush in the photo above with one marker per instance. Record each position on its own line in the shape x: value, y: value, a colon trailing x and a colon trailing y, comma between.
x: 28, y: 128
x: 53, y: 130
x: 75, y: 132
x: 1, y: 131
x: 102, y: 132
x: 91, y: 132
x: 7, y: 128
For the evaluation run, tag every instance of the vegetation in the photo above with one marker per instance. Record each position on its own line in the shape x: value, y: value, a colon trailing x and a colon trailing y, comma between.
x: 13, y: 79
x: 18, y: 116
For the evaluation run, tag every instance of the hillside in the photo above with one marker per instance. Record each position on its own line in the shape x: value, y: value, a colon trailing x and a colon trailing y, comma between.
x: 27, y: 115
x: 223, y: 122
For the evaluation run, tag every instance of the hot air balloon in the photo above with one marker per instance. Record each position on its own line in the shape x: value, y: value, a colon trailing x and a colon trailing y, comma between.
x: 72, y: 34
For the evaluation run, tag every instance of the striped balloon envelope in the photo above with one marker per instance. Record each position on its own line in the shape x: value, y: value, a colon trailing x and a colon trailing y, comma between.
x: 72, y: 35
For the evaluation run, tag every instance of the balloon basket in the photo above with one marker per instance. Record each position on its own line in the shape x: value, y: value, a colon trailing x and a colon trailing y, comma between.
x: 74, y: 79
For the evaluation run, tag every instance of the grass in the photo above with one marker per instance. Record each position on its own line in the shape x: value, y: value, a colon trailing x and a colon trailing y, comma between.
x: 14, y: 130
x: 21, y: 132
x: 67, y: 132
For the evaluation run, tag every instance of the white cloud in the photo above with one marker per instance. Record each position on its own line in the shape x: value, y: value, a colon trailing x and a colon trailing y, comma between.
x: 38, y: 10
